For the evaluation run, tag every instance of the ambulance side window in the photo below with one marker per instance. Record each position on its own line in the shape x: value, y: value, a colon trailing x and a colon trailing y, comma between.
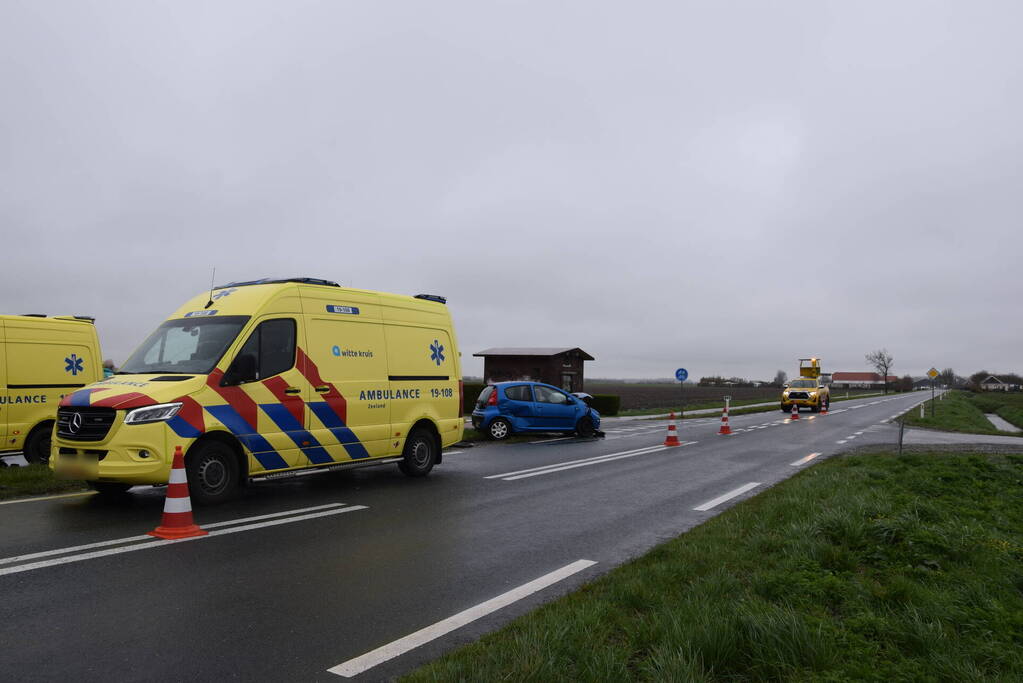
x: 269, y: 350
x: 276, y: 347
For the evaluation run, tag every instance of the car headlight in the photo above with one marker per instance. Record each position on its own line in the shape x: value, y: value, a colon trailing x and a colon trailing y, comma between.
x: 812, y: 394
x: 157, y: 413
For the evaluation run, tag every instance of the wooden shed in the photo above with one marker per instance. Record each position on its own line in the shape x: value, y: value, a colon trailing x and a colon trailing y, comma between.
x: 561, y: 366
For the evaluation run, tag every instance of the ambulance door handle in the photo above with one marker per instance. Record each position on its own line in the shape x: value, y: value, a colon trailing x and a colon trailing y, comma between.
x: 292, y: 390
x: 322, y: 390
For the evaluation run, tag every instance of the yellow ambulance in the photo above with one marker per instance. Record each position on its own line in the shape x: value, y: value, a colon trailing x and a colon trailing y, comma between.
x: 41, y: 359
x: 270, y: 378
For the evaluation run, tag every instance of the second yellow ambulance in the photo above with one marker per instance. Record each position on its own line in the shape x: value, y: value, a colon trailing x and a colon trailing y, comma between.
x: 42, y: 359
x: 271, y: 377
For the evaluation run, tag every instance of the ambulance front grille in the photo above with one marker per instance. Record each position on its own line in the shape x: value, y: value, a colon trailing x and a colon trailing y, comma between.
x: 91, y: 424
x: 799, y: 394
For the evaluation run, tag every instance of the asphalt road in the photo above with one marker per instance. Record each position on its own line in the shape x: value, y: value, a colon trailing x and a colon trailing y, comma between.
x: 338, y: 565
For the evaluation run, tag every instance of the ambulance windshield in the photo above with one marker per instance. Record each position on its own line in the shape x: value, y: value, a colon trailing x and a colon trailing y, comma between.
x: 191, y: 346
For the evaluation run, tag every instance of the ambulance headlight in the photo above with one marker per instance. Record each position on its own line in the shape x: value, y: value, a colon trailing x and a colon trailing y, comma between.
x: 157, y: 413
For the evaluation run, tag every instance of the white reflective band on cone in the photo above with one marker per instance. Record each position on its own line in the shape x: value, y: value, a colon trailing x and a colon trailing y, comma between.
x: 178, y: 477
x: 177, y: 505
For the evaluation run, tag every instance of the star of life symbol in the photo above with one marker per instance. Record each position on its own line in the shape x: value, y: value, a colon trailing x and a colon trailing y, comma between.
x: 224, y: 292
x: 74, y: 364
x: 437, y: 352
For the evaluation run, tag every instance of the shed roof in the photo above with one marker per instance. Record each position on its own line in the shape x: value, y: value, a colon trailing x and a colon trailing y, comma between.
x: 992, y: 377
x: 532, y: 351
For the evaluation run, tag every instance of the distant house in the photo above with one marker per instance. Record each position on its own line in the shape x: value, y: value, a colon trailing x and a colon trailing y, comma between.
x: 860, y: 380
x: 992, y: 383
x: 560, y: 366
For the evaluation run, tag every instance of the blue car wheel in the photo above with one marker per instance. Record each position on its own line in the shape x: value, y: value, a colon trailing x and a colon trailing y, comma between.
x: 584, y: 427
x: 499, y: 429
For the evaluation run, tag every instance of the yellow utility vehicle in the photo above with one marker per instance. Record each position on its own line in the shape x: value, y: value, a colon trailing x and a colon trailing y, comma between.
x: 809, y: 391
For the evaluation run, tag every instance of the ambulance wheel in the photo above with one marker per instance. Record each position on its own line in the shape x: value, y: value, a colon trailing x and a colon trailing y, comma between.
x: 784, y: 409
x: 109, y: 489
x: 212, y: 473
x: 499, y: 429
x: 815, y: 409
x: 584, y: 427
x: 37, y: 445
x: 420, y: 454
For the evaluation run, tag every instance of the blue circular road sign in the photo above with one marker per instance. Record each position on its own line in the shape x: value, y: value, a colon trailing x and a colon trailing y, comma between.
x: 681, y: 374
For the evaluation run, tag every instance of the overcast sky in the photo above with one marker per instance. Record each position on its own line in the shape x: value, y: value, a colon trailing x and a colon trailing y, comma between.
x: 721, y: 186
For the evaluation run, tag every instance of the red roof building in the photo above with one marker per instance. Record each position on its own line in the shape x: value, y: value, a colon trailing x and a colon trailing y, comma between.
x: 859, y: 380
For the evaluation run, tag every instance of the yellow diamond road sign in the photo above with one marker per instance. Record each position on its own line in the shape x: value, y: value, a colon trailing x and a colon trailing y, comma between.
x: 932, y: 373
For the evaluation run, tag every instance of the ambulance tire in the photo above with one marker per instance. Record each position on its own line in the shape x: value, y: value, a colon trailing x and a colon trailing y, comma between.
x: 784, y: 409
x: 499, y: 429
x: 212, y: 473
x: 37, y: 445
x: 420, y: 454
x: 109, y: 489
x: 584, y: 427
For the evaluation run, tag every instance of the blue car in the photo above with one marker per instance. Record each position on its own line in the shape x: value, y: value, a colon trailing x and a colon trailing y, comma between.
x: 508, y: 408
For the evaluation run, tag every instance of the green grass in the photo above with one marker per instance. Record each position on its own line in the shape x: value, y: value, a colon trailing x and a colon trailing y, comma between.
x: 868, y: 567
x: 960, y: 411
x: 33, y: 480
x: 1007, y: 406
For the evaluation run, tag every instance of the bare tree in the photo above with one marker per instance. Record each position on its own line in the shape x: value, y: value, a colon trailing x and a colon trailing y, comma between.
x: 780, y: 378
x: 882, y: 362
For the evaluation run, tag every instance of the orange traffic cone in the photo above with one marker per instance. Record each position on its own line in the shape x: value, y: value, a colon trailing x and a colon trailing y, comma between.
x: 725, y: 429
x: 672, y: 439
x: 824, y: 407
x: 177, y: 507
x: 795, y: 412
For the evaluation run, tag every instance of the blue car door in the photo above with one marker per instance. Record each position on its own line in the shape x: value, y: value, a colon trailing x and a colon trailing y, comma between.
x: 556, y: 409
x: 520, y: 406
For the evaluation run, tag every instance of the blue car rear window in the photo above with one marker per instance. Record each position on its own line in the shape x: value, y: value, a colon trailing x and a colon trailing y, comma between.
x: 519, y: 392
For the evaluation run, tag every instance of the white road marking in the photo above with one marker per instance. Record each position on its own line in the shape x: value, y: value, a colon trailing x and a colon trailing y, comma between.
x: 158, y: 543
x: 728, y: 496
x: 842, y: 441
x: 356, y: 666
x: 803, y: 461
x: 147, y: 537
x: 62, y: 495
x: 599, y: 460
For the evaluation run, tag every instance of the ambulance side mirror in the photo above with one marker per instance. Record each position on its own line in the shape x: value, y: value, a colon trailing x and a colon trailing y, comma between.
x: 242, y: 370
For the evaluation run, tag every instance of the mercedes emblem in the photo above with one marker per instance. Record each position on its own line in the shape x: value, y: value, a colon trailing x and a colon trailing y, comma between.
x: 75, y: 423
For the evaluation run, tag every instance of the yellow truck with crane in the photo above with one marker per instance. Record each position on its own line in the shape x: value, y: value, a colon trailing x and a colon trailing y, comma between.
x: 809, y: 391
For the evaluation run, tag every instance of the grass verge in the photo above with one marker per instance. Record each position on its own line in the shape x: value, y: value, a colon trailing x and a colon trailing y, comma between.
x: 33, y: 480
x: 958, y: 412
x: 868, y: 567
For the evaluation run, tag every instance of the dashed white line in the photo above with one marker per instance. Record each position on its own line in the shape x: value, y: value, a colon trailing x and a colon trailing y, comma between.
x: 727, y: 496
x: 803, y: 461
x: 362, y: 663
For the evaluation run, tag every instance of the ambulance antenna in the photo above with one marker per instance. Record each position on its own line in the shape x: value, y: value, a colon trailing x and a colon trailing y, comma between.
x: 213, y: 278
